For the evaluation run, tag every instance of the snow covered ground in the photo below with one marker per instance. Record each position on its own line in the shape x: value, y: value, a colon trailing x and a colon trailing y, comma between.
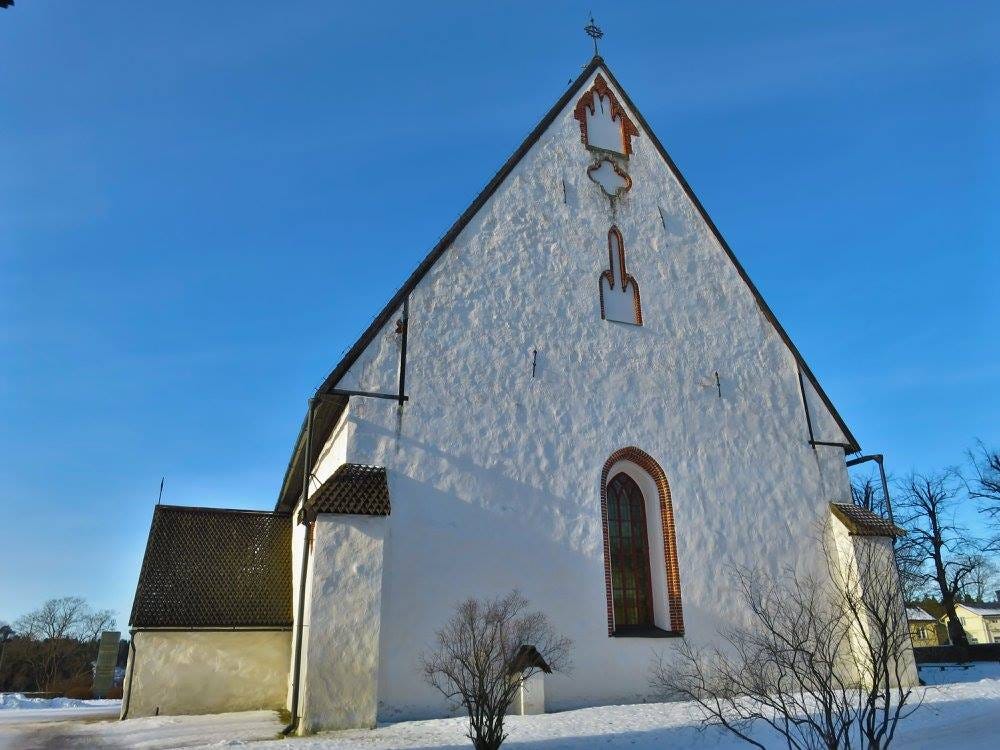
x: 16, y: 709
x: 153, y: 733
x: 18, y: 701
x: 945, y: 674
x: 961, y: 715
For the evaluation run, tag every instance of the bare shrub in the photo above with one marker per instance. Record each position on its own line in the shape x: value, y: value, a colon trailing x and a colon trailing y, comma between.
x: 476, y: 661
x: 825, y: 662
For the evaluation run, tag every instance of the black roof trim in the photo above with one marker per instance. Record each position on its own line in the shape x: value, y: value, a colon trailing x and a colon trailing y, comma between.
x: 491, y: 187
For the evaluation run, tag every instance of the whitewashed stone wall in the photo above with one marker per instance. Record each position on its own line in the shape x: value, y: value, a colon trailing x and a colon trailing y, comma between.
x: 494, y: 475
x: 207, y: 672
x: 340, y: 670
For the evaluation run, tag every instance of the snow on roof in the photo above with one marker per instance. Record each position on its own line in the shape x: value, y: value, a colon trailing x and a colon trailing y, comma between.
x: 987, y: 609
x: 916, y: 613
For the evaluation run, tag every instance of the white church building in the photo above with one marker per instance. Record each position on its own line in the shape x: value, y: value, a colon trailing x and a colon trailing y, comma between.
x: 578, y: 393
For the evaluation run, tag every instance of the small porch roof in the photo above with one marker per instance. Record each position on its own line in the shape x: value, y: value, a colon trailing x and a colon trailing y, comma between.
x: 354, y: 489
x: 863, y: 522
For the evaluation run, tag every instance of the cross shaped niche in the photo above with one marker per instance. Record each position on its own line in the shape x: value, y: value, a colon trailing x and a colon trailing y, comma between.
x: 619, y: 290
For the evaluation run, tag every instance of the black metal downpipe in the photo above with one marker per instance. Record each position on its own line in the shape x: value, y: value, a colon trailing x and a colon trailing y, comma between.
x: 303, y: 571
x: 131, y: 674
x: 878, y: 458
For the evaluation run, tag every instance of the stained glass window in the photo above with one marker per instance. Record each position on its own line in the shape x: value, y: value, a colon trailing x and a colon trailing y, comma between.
x: 630, y: 584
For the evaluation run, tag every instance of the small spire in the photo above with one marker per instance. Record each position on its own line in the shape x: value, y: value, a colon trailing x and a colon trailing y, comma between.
x: 594, y: 32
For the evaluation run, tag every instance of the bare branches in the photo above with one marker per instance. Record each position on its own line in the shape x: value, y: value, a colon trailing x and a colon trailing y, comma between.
x: 59, y: 626
x: 477, y: 664
x: 823, y: 664
x: 866, y: 492
x: 927, y: 511
x: 984, y: 487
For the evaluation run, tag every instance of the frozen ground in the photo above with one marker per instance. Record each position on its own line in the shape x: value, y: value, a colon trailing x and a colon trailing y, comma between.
x: 153, y: 733
x: 17, y: 710
x: 960, y: 715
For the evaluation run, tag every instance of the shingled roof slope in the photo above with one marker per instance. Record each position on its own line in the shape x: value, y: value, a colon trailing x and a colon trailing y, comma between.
x: 863, y: 522
x: 353, y: 488
x: 210, y: 568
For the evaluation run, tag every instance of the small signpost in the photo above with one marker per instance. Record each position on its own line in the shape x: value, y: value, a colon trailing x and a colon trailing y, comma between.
x: 107, y: 660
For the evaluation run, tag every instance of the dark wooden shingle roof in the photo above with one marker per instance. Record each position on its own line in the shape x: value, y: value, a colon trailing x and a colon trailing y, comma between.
x: 863, y: 522
x: 353, y: 488
x: 211, y: 568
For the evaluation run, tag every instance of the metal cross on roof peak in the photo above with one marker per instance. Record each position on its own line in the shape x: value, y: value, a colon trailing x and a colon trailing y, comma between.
x: 594, y: 32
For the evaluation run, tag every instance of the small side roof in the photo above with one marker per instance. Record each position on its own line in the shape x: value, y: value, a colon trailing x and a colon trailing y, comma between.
x: 354, y: 489
x: 212, y: 568
x: 863, y: 522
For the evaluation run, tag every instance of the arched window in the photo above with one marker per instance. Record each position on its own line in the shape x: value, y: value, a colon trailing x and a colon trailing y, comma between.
x: 642, y: 578
x: 631, y: 589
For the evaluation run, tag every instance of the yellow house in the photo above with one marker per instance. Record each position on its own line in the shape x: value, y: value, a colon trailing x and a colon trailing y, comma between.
x: 981, y: 621
x: 923, y: 627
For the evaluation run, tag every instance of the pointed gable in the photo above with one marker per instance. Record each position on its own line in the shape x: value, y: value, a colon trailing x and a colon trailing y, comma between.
x: 598, y: 101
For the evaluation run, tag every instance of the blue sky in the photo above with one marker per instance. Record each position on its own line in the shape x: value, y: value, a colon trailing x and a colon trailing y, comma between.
x: 203, y: 204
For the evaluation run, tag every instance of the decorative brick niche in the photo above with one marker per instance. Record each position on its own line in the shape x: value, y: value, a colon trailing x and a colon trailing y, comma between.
x: 619, y: 291
x: 604, y: 124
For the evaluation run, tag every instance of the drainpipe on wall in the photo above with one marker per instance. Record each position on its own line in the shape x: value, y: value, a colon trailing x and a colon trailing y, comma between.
x: 303, y: 570
x: 878, y: 458
x: 131, y: 673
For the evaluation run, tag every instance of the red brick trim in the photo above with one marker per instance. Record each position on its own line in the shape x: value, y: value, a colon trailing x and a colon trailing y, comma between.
x: 627, y: 279
x: 618, y: 170
x: 645, y: 462
x: 617, y: 110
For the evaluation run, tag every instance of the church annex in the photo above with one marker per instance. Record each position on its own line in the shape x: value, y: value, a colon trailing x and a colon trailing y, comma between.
x: 578, y: 393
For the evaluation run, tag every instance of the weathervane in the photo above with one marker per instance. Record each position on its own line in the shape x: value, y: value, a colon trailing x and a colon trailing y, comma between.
x: 594, y: 32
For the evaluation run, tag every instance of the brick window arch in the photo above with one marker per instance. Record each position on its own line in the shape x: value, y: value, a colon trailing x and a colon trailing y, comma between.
x: 622, y: 597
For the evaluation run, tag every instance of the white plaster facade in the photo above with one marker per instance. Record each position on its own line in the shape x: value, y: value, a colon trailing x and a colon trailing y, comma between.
x: 341, y: 646
x: 494, y: 473
x: 206, y: 672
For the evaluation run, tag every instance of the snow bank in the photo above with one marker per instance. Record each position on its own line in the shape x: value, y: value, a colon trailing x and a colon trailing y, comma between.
x: 946, y: 674
x: 10, y: 701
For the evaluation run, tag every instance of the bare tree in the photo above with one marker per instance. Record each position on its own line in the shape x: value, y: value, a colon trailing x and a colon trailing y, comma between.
x: 866, y: 492
x: 983, y: 578
x: 58, y: 627
x: 984, y: 486
x: 822, y: 663
x: 934, y: 538
x: 476, y: 660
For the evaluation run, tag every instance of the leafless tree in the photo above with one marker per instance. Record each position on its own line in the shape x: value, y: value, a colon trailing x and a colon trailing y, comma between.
x: 866, y: 491
x: 983, y: 579
x: 926, y: 509
x: 984, y: 486
x: 57, y: 628
x: 824, y: 662
x: 475, y: 662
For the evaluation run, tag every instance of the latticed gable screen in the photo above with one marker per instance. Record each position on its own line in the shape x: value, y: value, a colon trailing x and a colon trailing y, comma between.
x: 207, y: 567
